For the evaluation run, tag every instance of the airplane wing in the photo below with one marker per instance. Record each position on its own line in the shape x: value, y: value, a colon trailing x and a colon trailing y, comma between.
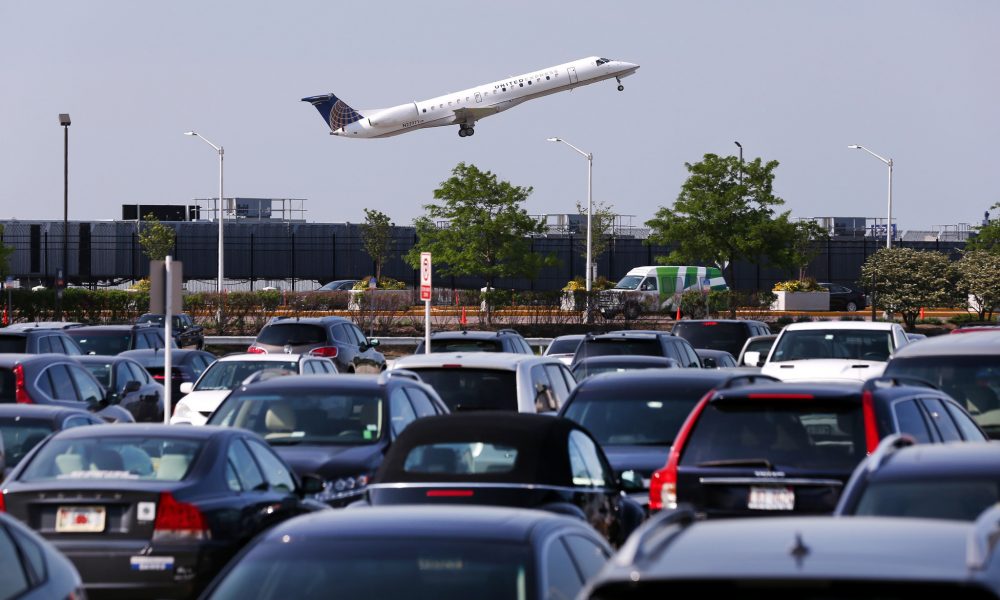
x: 463, y: 115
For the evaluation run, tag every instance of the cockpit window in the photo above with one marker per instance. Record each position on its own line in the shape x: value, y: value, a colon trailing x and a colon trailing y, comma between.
x: 601, y: 61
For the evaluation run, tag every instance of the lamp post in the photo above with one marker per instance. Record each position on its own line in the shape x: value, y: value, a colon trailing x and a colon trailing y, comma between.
x: 64, y: 120
x: 887, y: 161
x: 221, y: 154
x: 590, y: 210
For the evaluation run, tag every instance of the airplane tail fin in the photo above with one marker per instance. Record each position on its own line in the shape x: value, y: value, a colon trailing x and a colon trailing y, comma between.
x: 335, y: 111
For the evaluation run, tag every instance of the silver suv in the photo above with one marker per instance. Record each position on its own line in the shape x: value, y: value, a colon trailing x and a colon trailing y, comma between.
x: 336, y: 338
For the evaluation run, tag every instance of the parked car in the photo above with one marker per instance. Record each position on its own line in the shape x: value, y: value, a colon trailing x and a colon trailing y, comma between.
x: 338, y: 285
x: 108, y: 340
x: 803, y: 557
x: 506, y: 459
x: 645, y: 343
x: 57, y: 380
x: 715, y: 359
x: 153, y: 510
x: 493, y: 380
x: 504, y: 340
x: 34, y: 339
x: 930, y: 481
x: 336, y: 428
x: 596, y: 365
x: 563, y: 347
x: 22, y: 426
x: 186, y: 333
x: 728, y: 335
x: 336, y: 338
x: 32, y: 569
x: 833, y: 350
x: 967, y: 367
x: 755, y: 350
x: 844, y: 297
x: 636, y: 416
x: 421, y: 552
x: 787, y: 448
x: 185, y: 366
x: 656, y: 288
x: 128, y: 384
x: 977, y: 327
x: 226, y: 374
x: 915, y: 337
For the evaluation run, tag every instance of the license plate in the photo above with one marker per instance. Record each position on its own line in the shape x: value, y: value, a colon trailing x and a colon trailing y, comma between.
x: 769, y: 498
x: 80, y: 519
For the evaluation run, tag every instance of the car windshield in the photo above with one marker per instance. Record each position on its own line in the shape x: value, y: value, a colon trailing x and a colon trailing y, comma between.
x: 790, y: 433
x: 463, y: 457
x: 101, y: 371
x: 637, y: 417
x: 292, y: 334
x: 955, y: 498
x: 615, y: 346
x: 713, y: 335
x: 563, y: 346
x: 105, y: 343
x: 314, y: 568
x: 114, y: 457
x: 464, y: 388
x: 305, y: 416
x: 629, y: 282
x: 972, y: 380
x: 13, y: 343
x: 850, y: 344
x: 227, y: 375
x: 19, y: 435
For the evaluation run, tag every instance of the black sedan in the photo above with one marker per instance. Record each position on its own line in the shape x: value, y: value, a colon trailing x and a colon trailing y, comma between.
x: 846, y: 298
x: 186, y: 365
x: 30, y: 568
x: 152, y: 510
x: 337, y: 428
x: 419, y: 553
x: 128, y: 384
x: 184, y: 330
x: 23, y: 426
x: 506, y: 459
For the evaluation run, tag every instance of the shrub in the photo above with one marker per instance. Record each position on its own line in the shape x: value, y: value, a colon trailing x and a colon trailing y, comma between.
x: 799, y: 285
x: 694, y: 304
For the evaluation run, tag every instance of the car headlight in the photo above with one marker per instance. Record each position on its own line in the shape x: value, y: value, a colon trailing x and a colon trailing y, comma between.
x: 182, y: 410
x: 342, y: 487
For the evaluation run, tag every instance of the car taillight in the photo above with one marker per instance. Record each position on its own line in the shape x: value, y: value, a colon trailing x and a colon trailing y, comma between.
x: 3, y: 501
x: 449, y: 493
x: 327, y: 351
x: 179, y: 520
x: 20, y: 390
x: 868, y: 411
x: 663, y: 486
x: 256, y: 350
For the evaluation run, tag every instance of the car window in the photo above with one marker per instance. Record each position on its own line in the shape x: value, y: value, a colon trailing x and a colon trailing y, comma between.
x: 12, y: 573
x: 341, y: 335
x: 400, y: 410
x: 965, y: 423
x: 13, y: 343
x: 142, y: 342
x: 473, y: 389
x: 68, y: 345
x: 76, y: 421
x: 588, y: 470
x: 461, y: 458
x: 328, y: 367
x: 90, y: 390
x: 713, y: 335
x: 122, y: 376
x: 648, y: 284
x: 308, y: 368
x: 563, y: 582
x: 567, y: 374
x: 114, y: 456
x: 588, y: 554
x: 422, y: 403
x: 44, y: 345
x: 559, y: 385
x: 61, y: 384
x: 692, y: 359
x: 275, y: 471
x: 855, y: 344
x: 33, y: 554
x: 541, y: 387
x: 359, y: 337
x: 294, y: 334
x: 940, y: 417
x: 138, y: 373
x: 910, y: 420
x: 247, y: 475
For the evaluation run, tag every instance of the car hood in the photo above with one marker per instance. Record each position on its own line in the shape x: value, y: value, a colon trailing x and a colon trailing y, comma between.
x: 331, y: 462
x: 644, y: 459
x: 824, y: 370
x: 206, y: 401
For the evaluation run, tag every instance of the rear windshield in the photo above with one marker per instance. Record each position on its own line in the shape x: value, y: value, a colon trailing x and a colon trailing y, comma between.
x: 7, y: 383
x: 292, y: 334
x: 618, y: 346
x: 225, y: 375
x: 933, y: 498
x: 785, y: 433
x: 856, y: 344
x: 305, y: 416
x: 465, y: 345
x: 105, y: 343
x: 19, y: 435
x: 640, y: 417
x: 563, y: 346
x: 464, y: 457
x: 714, y: 335
x: 972, y: 380
x: 583, y: 370
x: 13, y: 343
x: 113, y: 457
x: 473, y: 389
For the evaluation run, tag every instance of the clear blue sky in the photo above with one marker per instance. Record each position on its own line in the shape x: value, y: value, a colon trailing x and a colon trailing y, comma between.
x: 792, y: 80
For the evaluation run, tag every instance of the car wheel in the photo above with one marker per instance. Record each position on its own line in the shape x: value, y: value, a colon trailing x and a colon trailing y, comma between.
x: 851, y: 306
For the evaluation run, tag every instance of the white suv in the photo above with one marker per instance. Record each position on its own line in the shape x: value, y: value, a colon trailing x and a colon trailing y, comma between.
x: 493, y: 380
x: 227, y: 373
x: 833, y: 350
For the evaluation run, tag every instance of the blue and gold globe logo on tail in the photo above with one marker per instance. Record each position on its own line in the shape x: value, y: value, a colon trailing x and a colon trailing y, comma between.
x: 335, y: 111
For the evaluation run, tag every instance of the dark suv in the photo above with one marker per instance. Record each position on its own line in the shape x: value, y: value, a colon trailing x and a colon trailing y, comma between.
x: 505, y: 340
x: 58, y: 380
x: 773, y: 449
x: 336, y: 338
x: 637, y: 342
x: 28, y: 339
x: 719, y: 334
x: 108, y: 340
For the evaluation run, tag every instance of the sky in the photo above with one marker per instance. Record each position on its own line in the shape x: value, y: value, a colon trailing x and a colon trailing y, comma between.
x: 795, y: 81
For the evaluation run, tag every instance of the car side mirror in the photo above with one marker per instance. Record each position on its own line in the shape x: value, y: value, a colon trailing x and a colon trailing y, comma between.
x: 131, y: 386
x: 310, y: 484
x: 630, y: 482
x: 751, y: 358
x: 373, y: 343
x: 186, y: 387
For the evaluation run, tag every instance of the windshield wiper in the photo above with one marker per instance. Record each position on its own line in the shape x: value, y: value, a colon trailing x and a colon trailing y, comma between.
x: 285, y: 441
x: 738, y: 462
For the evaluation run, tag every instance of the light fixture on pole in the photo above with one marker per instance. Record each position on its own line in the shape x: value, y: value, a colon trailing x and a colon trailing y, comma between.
x: 887, y: 161
x: 221, y: 154
x: 590, y: 207
x: 740, y: 146
x: 63, y: 274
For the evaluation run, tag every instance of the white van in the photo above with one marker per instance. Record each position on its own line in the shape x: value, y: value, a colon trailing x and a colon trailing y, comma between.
x: 657, y: 288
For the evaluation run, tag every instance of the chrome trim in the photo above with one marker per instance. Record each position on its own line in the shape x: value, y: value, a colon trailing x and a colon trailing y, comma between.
x: 801, y: 481
x: 482, y: 485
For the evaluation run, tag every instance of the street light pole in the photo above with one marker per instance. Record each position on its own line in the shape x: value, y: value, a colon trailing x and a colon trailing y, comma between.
x: 590, y: 208
x: 221, y: 153
x: 740, y: 146
x: 64, y: 120
x: 887, y: 161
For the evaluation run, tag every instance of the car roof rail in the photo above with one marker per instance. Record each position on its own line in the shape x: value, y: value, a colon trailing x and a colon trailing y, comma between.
x: 983, y: 538
x: 508, y: 330
x: 404, y: 373
x: 896, y: 380
x: 746, y: 379
x: 886, y: 448
x: 659, y: 531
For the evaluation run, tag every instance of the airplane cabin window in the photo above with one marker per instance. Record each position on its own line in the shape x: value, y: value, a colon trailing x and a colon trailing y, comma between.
x: 546, y: 78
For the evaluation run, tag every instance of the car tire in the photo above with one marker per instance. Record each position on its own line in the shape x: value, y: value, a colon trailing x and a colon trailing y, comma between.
x: 851, y: 307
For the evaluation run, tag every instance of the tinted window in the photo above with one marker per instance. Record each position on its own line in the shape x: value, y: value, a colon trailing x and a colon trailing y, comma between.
x: 359, y: 338
x: 545, y: 398
x: 563, y: 346
x: 7, y: 386
x: 468, y: 345
x: 90, y: 390
x: 19, y: 435
x: 275, y: 471
x: 32, y: 553
x: 616, y: 346
x: 62, y: 385
x: 940, y: 417
x: 401, y: 413
x: 138, y: 373
x: 910, y: 420
x: 341, y: 335
x: 13, y: 343
x: 113, y: 457
x: 105, y: 343
x: 122, y: 376
x: 294, y: 334
x: 965, y: 423
x: 713, y: 335
x: 248, y: 476
x: 68, y: 345
x: 562, y: 579
x: 558, y: 383
x: 588, y: 470
x: 12, y: 573
x: 473, y: 389
x: 688, y: 356
x: 859, y: 344
x: 72, y: 422
x: 588, y: 554
x: 637, y: 416
x: 954, y: 497
x: 45, y: 345
x: 461, y: 457
x: 143, y: 341
x: 422, y: 403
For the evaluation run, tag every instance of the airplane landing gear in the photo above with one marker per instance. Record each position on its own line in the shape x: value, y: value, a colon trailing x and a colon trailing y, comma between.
x: 621, y: 88
x: 465, y: 130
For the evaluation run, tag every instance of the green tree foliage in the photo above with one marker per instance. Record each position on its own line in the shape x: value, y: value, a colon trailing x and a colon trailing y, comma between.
x: 5, y: 253
x: 156, y: 239
x: 601, y: 228
x: 725, y: 213
x: 376, y: 236
x: 803, y: 245
x: 987, y: 236
x: 979, y: 277
x: 485, y: 230
x: 907, y: 280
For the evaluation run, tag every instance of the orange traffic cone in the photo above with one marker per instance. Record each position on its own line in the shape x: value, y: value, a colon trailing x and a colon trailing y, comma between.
x: 678, y: 318
x: 921, y: 312
x: 463, y: 320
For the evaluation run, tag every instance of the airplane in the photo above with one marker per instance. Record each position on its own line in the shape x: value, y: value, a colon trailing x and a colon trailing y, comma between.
x: 466, y: 107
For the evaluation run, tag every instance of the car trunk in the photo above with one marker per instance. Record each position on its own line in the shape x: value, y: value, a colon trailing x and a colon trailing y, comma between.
x: 513, y: 495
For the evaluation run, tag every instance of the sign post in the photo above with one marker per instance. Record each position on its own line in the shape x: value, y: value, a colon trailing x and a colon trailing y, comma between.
x: 168, y: 322
x: 425, y: 295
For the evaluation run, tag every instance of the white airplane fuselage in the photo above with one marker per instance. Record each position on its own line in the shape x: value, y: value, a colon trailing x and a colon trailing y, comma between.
x: 465, y: 107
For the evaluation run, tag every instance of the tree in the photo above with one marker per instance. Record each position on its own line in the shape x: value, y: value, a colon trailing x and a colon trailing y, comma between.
x: 5, y: 253
x: 987, y: 236
x: 601, y: 229
x: 803, y: 244
x: 376, y: 236
x: 907, y: 280
x: 979, y: 280
x: 485, y: 233
x: 156, y: 239
x: 723, y: 214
